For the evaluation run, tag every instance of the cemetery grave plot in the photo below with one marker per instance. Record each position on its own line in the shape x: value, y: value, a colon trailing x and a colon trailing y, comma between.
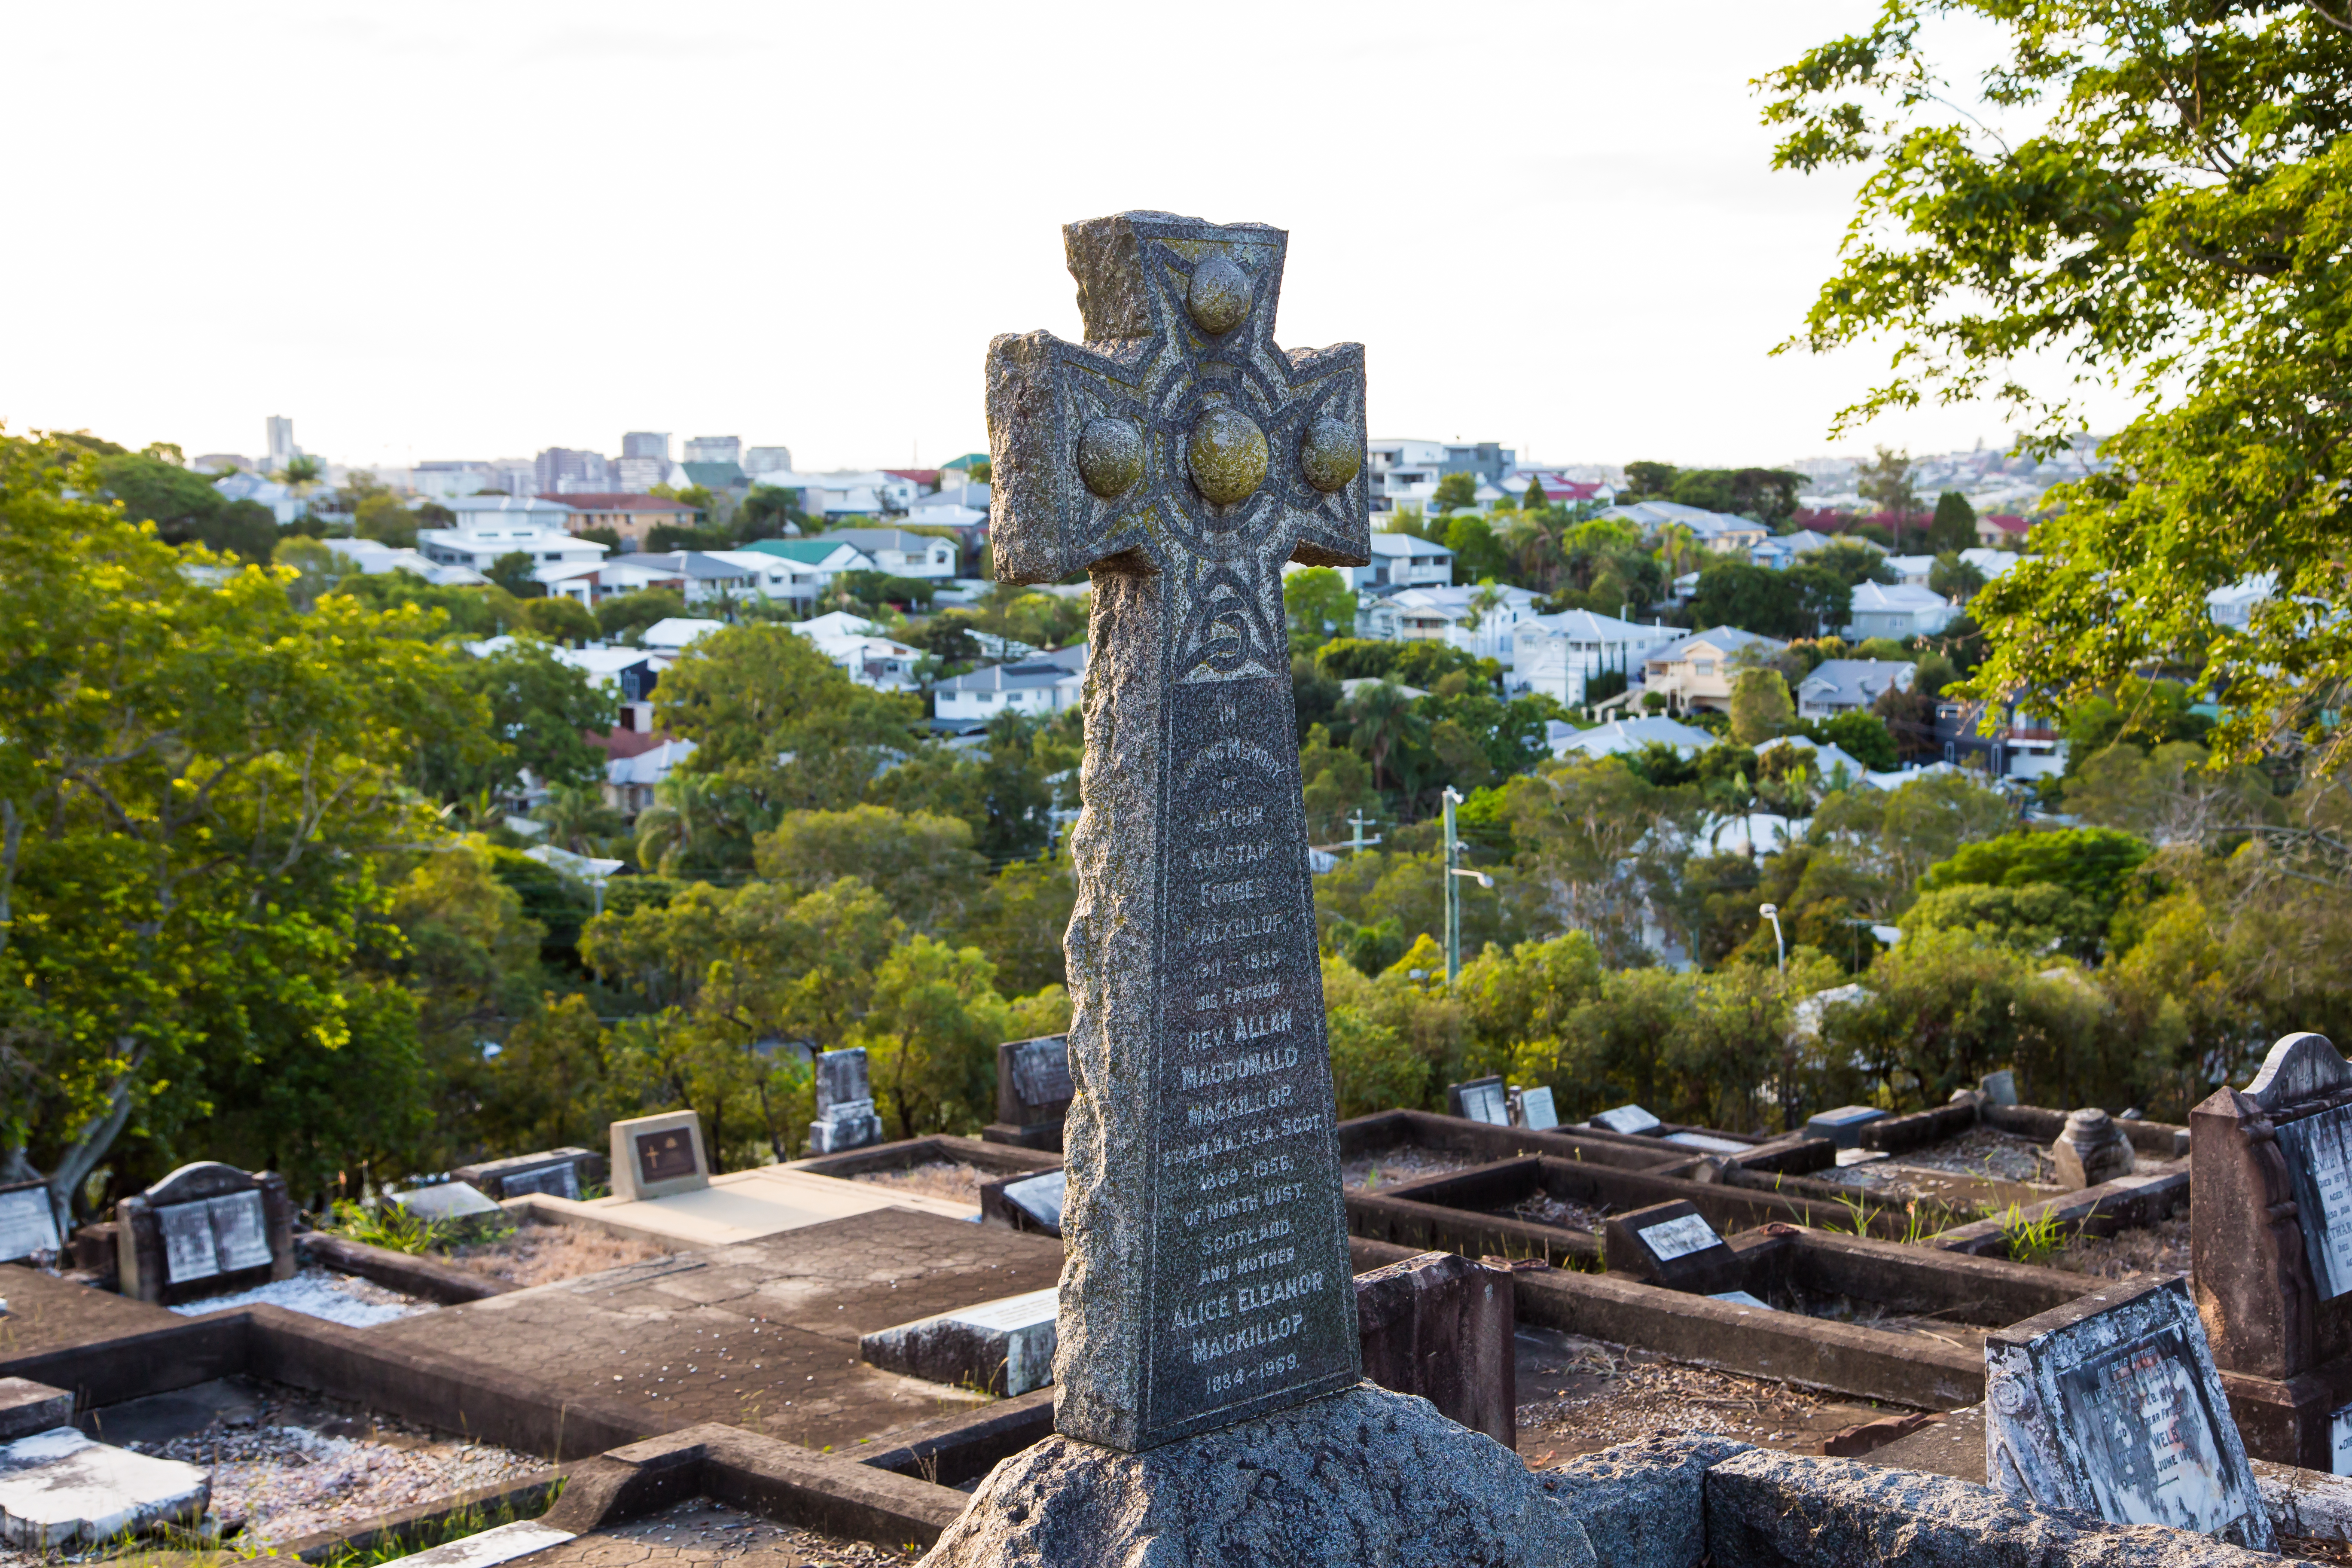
x: 1401, y: 1162
x: 763, y: 1335
x: 700, y: 1531
x: 1579, y: 1395
x: 288, y: 1463
x: 938, y: 1166
x: 316, y: 1293
x: 540, y: 1253
x: 933, y: 1178
x: 2142, y: 1252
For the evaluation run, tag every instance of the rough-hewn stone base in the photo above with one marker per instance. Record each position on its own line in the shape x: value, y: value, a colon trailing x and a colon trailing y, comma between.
x: 1366, y: 1478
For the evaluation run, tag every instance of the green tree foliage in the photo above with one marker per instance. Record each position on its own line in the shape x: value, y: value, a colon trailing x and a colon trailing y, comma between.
x: 153, y: 486
x: 627, y: 615
x: 1455, y: 492
x: 2188, y: 242
x: 1954, y: 527
x: 777, y: 723
x: 1757, y: 599
x: 1761, y: 708
x: 1019, y: 919
x: 922, y: 865
x: 194, y: 780
x: 1319, y: 605
x: 931, y: 1037
x: 2092, y: 864
x: 1481, y: 554
x: 539, y: 709
x: 560, y: 618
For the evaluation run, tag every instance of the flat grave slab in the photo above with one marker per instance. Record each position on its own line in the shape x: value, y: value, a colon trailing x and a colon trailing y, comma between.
x: 26, y: 1407
x: 1843, y: 1126
x: 1631, y: 1119
x: 744, y: 1206
x: 1005, y: 1347
x: 60, y: 1489
x: 762, y: 1334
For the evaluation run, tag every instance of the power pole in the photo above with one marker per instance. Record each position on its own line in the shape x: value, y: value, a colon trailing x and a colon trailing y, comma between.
x: 1453, y: 891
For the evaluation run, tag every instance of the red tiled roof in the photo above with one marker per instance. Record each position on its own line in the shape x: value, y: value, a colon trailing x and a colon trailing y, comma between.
x: 618, y: 501
x: 2010, y: 523
x: 621, y: 744
x: 920, y: 476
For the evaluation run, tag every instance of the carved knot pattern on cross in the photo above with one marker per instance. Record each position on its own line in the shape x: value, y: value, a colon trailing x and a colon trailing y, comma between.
x: 1178, y: 439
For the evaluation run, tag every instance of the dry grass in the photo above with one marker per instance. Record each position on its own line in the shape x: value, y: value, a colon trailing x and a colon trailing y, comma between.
x: 543, y: 1254
x: 2154, y: 1250
x: 1402, y: 1164
x: 932, y: 1179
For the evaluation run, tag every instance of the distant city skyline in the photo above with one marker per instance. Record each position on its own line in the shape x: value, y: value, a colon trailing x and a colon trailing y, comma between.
x: 1554, y: 227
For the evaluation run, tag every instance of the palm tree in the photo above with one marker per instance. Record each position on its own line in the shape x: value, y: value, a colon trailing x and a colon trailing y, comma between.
x: 1382, y: 716
x: 1533, y: 537
x: 686, y: 814
x: 576, y: 818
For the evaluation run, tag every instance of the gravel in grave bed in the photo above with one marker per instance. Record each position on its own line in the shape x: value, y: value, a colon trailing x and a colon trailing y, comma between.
x: 700, y: 1531
x: 948, y: 1179
x: 290, y: 1464
x: 317, y: 1293
x: 1371, y: 1172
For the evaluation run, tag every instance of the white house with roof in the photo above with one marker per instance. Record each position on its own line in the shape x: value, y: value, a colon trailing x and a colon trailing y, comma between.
x: 899, y: 552
x: 1850, y: 685
x: 481, y: 547
x: 1783, y: 550
x: 1400, y: 561
x: 497, y: 512
x: 2233, y: 606
x: 369, y: 555
x: 283, y: 503
x: 862, y: 492
x: 632, y: 671
x: 593, y: 581
x: 1556, y: 655
x: 1834, y: 766
x: 673, y: 633
x: 1478, y: 620
x: 1036, y: 686
x: 858, y: 647
x: 1719, y: 532
x: 1900, y: 611
x: 1623, y: 735
x: 629, y: 782
x: 1698, y: 670
x: 810, y: 564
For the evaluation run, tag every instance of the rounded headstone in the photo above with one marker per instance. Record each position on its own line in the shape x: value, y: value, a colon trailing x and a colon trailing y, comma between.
x: 2092, y: 1149
x: 1110, y: 455
x: 1219, y: 297
x: 1228, y: 453
x: 1330, y: 454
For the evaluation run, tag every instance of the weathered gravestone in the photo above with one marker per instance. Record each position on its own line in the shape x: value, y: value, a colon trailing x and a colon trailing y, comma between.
x: 1032, y: 1202
x: 1444, y: 1327
x: 844, y: 1104
x: 1480, y: 1099
x: 556, y: 1173
x: 2270, y: 1222
x: 1033, y: 1092
x: 1843, y: 1126
x: 1670, y: 1244
x: 27, y: 1224
x: 2112, y: 1405
x: 656, y: 1156
x: 203, y: 1228
x: 1632, y: 1121
x: 1535, y: 1110
x: 2091, y: 1149
x: 1207, y: 1304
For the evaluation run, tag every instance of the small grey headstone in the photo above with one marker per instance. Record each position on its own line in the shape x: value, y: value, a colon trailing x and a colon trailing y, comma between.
x: 2114, y: 1407
x: 1481, y: 1099
x: 240, y: 1231
x: 1041, y: 1071
x: 844, y: 1107
x: 446, y: 1201
x: 559, y: 1181
x: 191, y: 1251
x: 28, y: 1225
x: 841, y: 1080
x: 1040, y: 1197
x: 1672, y: 1245
x: 1537, y: 1113
x: 1999, y: 1087
x: 1005, y: 1347
x: 1630, y: 1120
x: 1843, y: 1126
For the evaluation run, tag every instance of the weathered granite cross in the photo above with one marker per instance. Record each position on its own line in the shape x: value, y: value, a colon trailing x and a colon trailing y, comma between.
x: 1182, y: 458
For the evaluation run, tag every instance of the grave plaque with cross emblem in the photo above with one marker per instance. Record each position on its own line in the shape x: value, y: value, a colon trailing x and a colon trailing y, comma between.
x: 1182, y: 458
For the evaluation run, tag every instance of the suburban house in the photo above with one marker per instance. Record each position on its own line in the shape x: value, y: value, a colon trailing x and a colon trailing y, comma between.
x: 900, y: 553
x: 1850, y: 685
x: 593, y: 581
x: 1557, y: 655
x: 283, y: 503
x: 630, y: 517
x: 1911, y: 571
x: 1834, y: 766
x: 1558, y: 490
x: 634, y: 672
x: 2002, y: 531
x: 1899, y: 612
x: 852, y: 492
x: 2234, y: 605
x: 1455, y: 616
x: 1718, y: 532
x: 1040, y: 684
x: 860, y: 647
x: 674, y: 633
x: 1698, y: 671
x: 955, y: 504
x: 1398, y: 560
x: 630, y: 781
x: 706, y: 575
x: 1623, y: 735
x: 1783, y: 550
x: 482, y: 546
x: 811, y: 562
x: 368, y: 555
x: 497, y: 511
x: 2023, y: 745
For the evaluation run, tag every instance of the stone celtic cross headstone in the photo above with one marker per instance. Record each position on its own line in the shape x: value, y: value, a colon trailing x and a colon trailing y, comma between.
x: 1182, y: 458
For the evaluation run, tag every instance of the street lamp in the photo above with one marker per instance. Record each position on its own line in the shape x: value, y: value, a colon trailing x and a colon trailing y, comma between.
x: 1454, y: 868
x: 1772, y: 912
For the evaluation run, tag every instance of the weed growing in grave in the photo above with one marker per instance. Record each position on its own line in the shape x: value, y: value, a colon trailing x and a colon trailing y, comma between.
x: 388, y: 1226
x: 169, y: 1544
x: 2032, y: 1240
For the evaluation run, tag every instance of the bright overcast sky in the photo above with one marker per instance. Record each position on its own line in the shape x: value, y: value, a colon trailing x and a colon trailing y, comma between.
x: 473, y: 230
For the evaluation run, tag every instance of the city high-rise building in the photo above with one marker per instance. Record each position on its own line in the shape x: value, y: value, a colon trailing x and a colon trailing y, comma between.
x: 714, y: 450
x: 757, y: 460
x: 562, y: 470
x: 646, y: 444
x: 282, y: 449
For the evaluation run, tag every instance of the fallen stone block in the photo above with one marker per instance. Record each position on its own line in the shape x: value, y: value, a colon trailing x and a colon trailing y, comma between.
x: 1005, y: 1347
x: 59, y: 1490
x: 1642, y: 1505
x: 1767, y: 1510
